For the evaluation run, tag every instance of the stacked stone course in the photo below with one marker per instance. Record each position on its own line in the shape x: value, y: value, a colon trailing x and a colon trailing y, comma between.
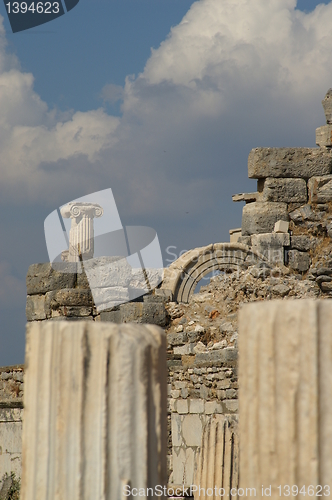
x: 59, y: 292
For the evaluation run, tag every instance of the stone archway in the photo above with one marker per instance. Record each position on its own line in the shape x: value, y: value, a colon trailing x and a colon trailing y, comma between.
x: 182, y: 276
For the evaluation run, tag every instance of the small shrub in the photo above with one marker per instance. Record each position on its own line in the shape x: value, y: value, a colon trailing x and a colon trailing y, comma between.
x: 11, y: 486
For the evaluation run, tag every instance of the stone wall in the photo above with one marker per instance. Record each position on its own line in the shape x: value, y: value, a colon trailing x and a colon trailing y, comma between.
x: 55, y: 294
x: 11, y: 413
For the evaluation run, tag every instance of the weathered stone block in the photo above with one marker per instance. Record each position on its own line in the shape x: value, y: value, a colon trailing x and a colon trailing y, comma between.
x: 213, y: 357
x: 304, y: 214
x: 42, y: 278
x: 234, y: 235
x: 285, y: 393
x: 69, y: 297
x: 212, y: 407
x: 285, y: 190
x: 196, y: 406
x: 271, y: 245
x: 289, y: 162
x: 108, y: 297
x: 73, y: 311
x: 177, y: 338
x: 192, y: 430
x: 267, y: 240
x: 320, y: 189
x: 185, y: 349
x: 94, y: 410
x: 182, y: 406
x: 327, y: 106
x: 104, y: 272
x: 176, y: 429
x: 299, y: 261
x: 261, y: 217
x: 324, y: 136
x: 281, y: 226
x: 35, y: 307
x: 302, y: 243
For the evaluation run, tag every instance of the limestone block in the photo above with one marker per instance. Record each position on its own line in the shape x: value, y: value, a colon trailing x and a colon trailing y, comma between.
x: 185, y: 349
x: 11, y: 441
x: 95, y: 410
x: 247, y: 197
x: 35, y: 307
x: 261, y: 217
x: 189, y: 466
x: 196, y: 406
x: 103, y: 272
x: 281, y: 226
x: 303, y: 214
x: 271, y: 245
x: 73, y: 311
x: 217, y: 465
x: 302, y: 243
x: 320, y: 189
x: 285, y: 190
x: 137, y: 312
x: 42, y: 278
x: 324, y: 136
x: 176, y: 429
x: 179, y: 462
x: 142, y: 312
x: 105, y: 298
x: 234, y: 235
x: 299, y: 261
x: 212, y: 357
x: 232, y: 405
x: 327, y: 106
x: 212, y: 407
x: 288, y: 162
x: 192, y: 430
x: 285, y: 394
x: 68, y: 297
x: 182, y: 406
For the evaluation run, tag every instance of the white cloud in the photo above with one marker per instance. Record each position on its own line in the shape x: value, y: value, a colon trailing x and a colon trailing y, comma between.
x: 230, y: 76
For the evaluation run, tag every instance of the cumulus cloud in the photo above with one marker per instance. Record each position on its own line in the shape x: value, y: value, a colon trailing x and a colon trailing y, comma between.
x: 232, y: 75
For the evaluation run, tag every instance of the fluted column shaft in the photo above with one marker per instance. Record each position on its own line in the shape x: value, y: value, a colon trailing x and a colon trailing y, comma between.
x: 285, y: 395
x: 95, y: 410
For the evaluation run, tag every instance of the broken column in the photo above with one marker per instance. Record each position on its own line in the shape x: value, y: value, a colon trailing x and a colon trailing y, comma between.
x: 285, y: 396
x: 81, y: 235
x: 95, y: 410
x: 217, y: 468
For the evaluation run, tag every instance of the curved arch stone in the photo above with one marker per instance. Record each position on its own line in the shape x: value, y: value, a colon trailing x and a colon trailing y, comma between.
x: 182, y: 276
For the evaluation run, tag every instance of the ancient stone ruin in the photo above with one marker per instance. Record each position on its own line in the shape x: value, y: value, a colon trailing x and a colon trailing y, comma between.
x: 282, y: 251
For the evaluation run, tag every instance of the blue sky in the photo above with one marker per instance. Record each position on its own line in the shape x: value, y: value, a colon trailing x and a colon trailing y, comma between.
x: 85, y: 105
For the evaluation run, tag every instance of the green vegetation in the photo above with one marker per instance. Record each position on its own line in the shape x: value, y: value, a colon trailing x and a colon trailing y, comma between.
x: 11, y: 486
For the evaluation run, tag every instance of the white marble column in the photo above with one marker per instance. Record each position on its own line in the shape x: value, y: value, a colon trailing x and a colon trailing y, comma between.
x: 285, y: 397
x: 81, y: 236
x: 95, y: 411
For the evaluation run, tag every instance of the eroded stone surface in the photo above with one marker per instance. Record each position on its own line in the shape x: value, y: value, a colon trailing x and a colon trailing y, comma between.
x: 288, y: 162
x: 285, y: 190
x: 320, y: 189
x: 42, y: 278
x: 261, y: 217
